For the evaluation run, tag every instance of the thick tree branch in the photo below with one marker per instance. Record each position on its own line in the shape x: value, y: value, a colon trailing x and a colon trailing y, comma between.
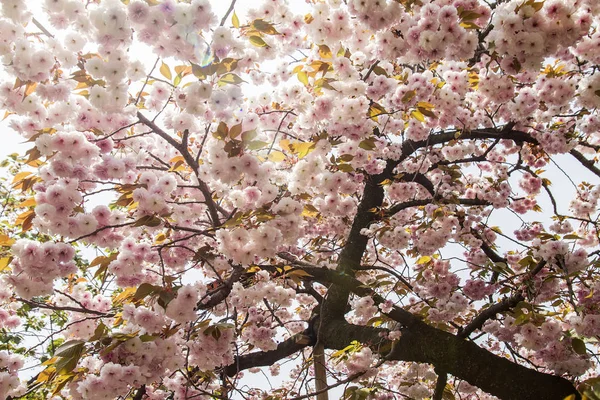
x: 465, y: 360
x: 264, y: 358
x: 490, y: 313
x: 423, y: 202
x: 222, y: 292
x: 451, y: 353
x: 589, y: 164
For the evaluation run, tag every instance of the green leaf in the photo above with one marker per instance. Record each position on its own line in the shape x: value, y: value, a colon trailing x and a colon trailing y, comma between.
x: 222, y: 131
x: 256, y: 145
x: 345, y: 168
x: 258, y: 41
x: 380, y: 71
x: 264, y: 27
x: 177, y: 80
x: 235, y: 131
x: 148, y: 220
x: 204, y: 72
x: 70, y: 348
x: 66, y: 364
x: 144, y: 290
x: 408, y: 96
x: 578, y: 346
x: 426, y: 112
x: 367, y: 144
x: 99, y: 332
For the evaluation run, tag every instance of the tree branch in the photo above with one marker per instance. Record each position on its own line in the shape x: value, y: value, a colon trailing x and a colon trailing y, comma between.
x: 264, y: 358
x: 589, y: 164
x: 189, y: 159
x: 489, y: 313
x: 227, y: 13
x: 440, y: 385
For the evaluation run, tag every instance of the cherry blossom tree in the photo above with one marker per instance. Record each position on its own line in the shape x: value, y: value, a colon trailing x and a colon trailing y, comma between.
x: 327, y: 198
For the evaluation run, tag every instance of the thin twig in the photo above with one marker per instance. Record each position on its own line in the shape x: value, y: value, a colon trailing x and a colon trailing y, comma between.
x: 41, y: 27
x: 227, y: 13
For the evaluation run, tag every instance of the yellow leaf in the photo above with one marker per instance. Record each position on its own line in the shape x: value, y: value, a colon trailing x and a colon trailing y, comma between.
x: 160, y: 238
x: 20, y: 176
x: 27, y: 203
x: 4, y: 263
x: 118, y: 320
x: 235, y: 20
x: 230, y: 78
x: 276, y: 156
x: 299, y: 273
x: 253, y: 268
x: 303, y: 148
x: 285, y: 145
x: 46, y: 374
x: 21, y: 218
x: 165, y: 71
x: 6, y: 241
x: 50, y: 361
x: 423, y: 260
x: 324, y: 51
x: 425, y: 105
x: 302, y: 77
x: 30, y: 88
x: 178, y: 166
x: 310, y: 211
x: 418, y: 115
x: 124, y: 295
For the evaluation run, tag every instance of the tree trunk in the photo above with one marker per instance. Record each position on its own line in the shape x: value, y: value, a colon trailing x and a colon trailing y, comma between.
x: 320, y: 371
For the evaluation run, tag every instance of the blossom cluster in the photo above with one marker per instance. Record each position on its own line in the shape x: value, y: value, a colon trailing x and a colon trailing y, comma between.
x: 37, y: 265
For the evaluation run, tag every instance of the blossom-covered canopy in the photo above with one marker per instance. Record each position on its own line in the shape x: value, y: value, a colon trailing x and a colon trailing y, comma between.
x: 353, y: 197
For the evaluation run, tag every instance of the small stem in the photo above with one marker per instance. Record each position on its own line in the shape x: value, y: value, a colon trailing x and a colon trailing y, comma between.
x: 42, y: 28
x: 227, y: 13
